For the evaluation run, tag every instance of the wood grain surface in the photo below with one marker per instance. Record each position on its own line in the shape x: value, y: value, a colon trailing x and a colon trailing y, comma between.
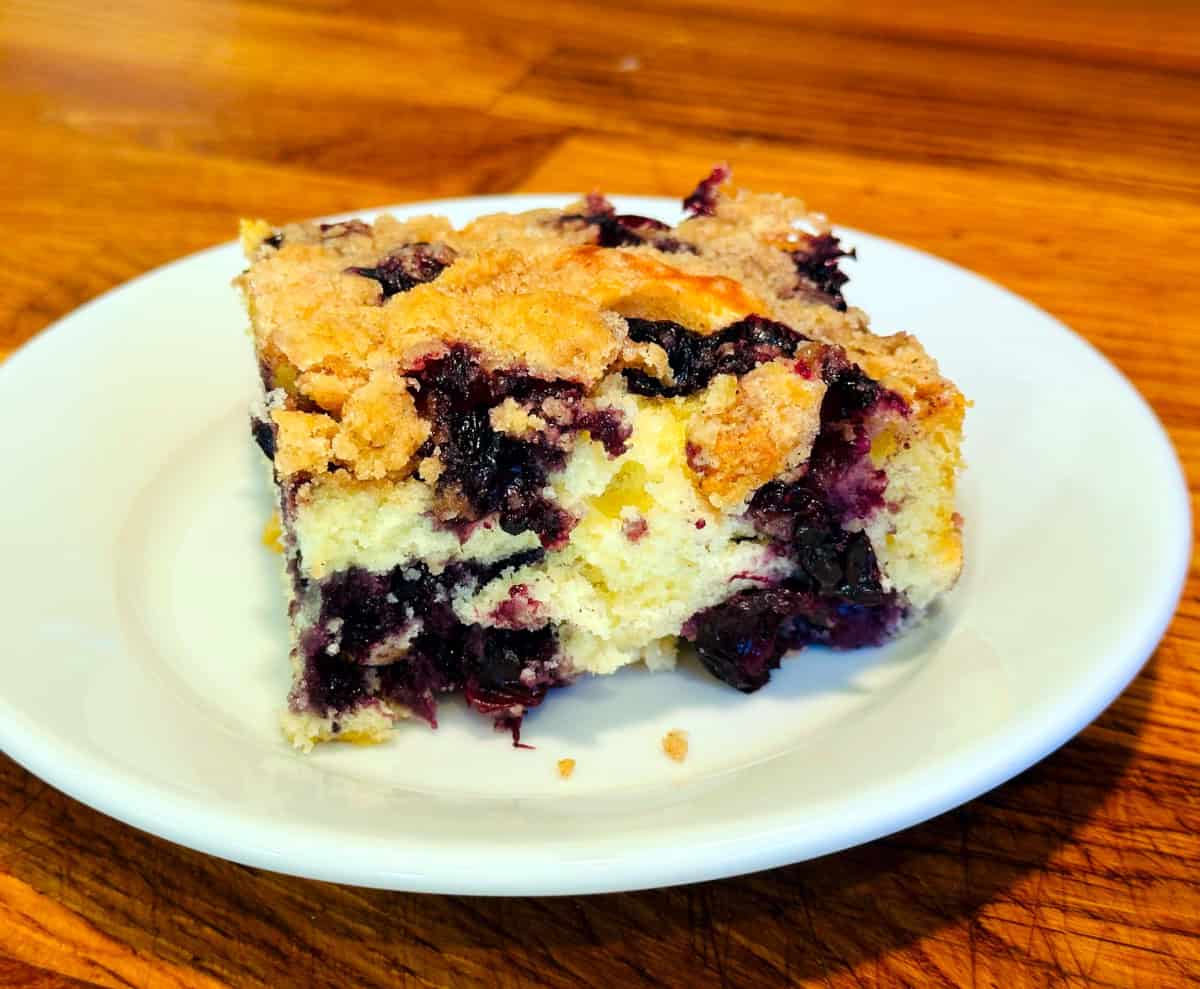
x: 1054, y: 148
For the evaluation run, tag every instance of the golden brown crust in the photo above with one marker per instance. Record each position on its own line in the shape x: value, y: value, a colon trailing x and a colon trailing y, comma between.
x: 636, y: 284
x: 534, y: 292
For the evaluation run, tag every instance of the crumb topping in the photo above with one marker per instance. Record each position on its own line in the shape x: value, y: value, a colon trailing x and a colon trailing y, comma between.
x: 346, y: 315
x: 380, y: 429
x: 515, y: 420
x: 303, y: 441
x: 752, y: 429
x: 329, y: 391
x: 377, y: 435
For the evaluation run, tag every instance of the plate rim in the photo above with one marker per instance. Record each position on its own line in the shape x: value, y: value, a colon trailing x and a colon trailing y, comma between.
x: 119, y: 793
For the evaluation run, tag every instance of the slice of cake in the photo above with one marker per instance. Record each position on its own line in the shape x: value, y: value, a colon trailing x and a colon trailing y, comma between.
x: 563, y: 441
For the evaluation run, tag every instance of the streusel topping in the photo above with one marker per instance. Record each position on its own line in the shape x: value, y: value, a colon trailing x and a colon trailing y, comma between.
x: 347, y: 314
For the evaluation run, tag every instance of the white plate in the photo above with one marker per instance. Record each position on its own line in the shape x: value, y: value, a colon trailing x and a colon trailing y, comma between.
x: 145, y: 658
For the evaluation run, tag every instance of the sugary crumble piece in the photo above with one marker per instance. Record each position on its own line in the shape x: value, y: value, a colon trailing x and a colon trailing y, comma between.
x: 303, y: 441
x: 380, y: 429
x: 751, y: 430
x: 675, y: 744
x: 273, y: 533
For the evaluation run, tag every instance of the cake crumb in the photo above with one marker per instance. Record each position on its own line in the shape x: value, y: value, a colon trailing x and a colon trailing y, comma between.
x: 272, y: 533
x: 675, y: 744
x: 566, y: 767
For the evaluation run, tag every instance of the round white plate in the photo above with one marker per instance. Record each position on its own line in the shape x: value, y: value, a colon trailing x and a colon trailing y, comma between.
x: 146, y: 648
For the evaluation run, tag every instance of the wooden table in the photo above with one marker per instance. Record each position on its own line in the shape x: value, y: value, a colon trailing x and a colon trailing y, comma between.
x: 1055, y: 150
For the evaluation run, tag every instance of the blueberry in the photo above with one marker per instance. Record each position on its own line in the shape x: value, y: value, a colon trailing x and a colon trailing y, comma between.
x: 407, y: 267
x: 738, y: 641
x: 703, y: 199
x: 817, y: 269
x: 615, y: 229
x: 264, y: 435
x: 696, y: 359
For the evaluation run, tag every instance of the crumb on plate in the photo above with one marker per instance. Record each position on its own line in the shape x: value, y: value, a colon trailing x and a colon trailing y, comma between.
x: 566, y: 767
x: 272, y: 532
x: 675, y: 744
